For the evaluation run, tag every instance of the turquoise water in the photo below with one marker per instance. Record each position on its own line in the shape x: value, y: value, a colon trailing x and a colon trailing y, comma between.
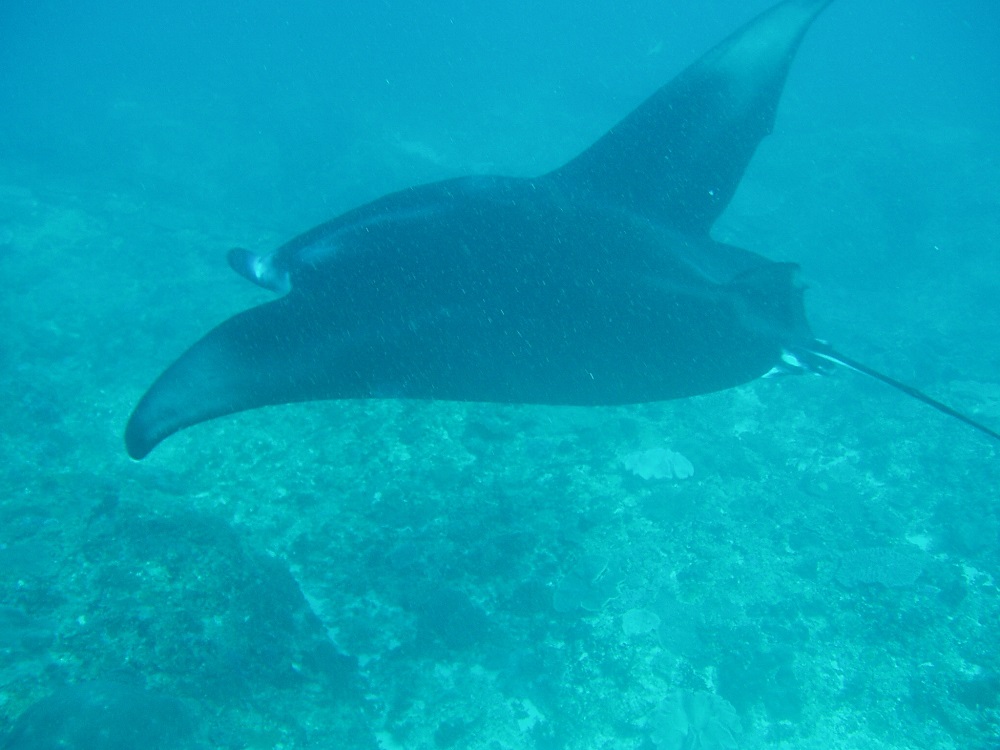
x: 433, y: 575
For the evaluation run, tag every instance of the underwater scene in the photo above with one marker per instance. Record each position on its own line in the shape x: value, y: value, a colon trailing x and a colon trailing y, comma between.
x: 806, y: 562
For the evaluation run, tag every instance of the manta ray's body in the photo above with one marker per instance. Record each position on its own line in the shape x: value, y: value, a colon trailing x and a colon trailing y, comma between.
x: 597, y: 283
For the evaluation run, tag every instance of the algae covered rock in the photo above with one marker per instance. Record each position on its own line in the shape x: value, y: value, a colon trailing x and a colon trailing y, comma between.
x: 103, y: 716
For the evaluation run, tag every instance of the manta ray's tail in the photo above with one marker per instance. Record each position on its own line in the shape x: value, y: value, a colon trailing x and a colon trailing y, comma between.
x: 821, y: 350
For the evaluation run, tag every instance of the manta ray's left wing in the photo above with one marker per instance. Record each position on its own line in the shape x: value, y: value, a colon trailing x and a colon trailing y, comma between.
x: 679, y: 156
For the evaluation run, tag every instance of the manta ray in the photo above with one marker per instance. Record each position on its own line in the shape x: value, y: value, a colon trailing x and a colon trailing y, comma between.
x: 597, y: 283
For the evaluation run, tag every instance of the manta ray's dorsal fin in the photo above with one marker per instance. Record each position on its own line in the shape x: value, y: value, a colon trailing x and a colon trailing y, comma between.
x: 680, y: 155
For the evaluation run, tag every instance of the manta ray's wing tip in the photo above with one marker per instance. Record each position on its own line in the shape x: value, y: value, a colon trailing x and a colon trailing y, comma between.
x: 137, y: 442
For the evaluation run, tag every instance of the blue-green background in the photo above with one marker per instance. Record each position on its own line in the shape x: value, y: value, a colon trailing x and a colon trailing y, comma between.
x: 384, y: 573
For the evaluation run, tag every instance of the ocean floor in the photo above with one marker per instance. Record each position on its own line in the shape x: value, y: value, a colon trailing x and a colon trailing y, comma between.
x: 387, y: 574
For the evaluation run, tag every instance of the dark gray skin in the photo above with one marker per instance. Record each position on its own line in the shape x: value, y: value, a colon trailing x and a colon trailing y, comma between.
x: 444, y: 306
x: 595, y: 284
